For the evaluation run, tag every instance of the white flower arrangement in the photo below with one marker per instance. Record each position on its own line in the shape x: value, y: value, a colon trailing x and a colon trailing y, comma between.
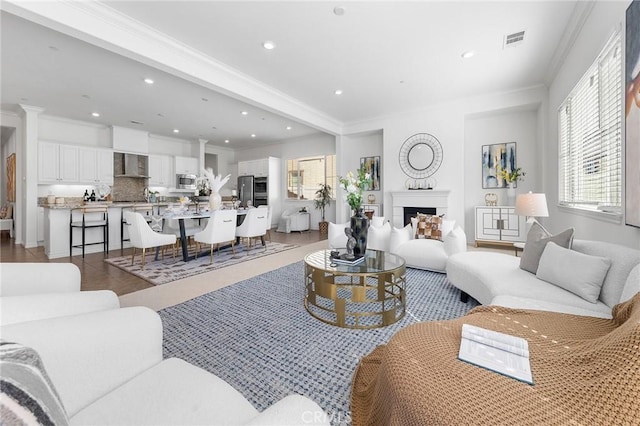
x: 354, y: 185
x: 216, y: 182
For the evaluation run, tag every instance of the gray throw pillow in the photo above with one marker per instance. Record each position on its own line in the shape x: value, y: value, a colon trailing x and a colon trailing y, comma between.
x: 579, y: 273
x: 537, y: 239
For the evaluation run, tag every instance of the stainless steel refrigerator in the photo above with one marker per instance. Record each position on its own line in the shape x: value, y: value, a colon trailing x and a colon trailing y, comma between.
x: 245, y: 190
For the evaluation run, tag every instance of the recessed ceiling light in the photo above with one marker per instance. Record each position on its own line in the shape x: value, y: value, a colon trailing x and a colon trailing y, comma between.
x: 176, y: 131
x: 148, y: 81
x: 338, y: 10
x: 244, y: 113
x: 269, y: 45
x: 95, y: 114
x: 338, y: 92
x: 253, y: 135
x: 226, y: 141
x: 468, y: 54
x: 289, y: 127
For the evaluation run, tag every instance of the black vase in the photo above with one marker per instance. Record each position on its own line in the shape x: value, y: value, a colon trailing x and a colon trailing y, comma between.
x: 359, y: 229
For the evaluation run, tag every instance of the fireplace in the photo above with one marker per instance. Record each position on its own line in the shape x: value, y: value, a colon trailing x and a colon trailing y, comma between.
x: 424, y: 201
x: 410, y: 212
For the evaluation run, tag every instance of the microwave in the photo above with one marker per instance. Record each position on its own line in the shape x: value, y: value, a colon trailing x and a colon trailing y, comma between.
x: 186, y: 181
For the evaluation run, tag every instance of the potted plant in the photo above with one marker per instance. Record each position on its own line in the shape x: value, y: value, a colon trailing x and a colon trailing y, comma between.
x: 322, y: 200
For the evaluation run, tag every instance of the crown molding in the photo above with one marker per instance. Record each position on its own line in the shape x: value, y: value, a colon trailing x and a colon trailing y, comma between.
x: 580, y: 14
x: 103, y: 26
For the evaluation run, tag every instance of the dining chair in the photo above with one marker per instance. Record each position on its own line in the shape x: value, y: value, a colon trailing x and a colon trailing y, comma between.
x: 253, y: 226
x: 190, y: 229
x: 147, y: 213
x: 269, y: 218
x: 142, y: 236
x: 221, y: 228
x: 84, y: 218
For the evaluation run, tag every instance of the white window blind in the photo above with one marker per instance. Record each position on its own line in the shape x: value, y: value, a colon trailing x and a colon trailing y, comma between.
x: 590, y: 126
x: 304, y: 175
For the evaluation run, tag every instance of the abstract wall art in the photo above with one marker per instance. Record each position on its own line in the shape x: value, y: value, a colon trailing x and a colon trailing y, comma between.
x: 495, y: 157
x: 372, y: 166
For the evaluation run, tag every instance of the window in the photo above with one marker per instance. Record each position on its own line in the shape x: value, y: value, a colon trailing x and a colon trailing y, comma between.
x: 304, y: 175
x: 590, y: 126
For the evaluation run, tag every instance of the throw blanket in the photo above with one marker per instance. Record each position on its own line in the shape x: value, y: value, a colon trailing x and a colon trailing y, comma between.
x: 586, y: 372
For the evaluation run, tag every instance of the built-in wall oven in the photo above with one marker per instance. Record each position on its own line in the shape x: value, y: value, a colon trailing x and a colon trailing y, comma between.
x: 260, y: 191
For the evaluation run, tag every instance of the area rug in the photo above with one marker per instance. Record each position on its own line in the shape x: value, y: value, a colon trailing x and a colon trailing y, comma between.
x: 257, y: 336
x: 169, y: 269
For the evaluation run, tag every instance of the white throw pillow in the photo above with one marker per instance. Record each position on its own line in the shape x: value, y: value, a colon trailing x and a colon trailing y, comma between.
x: 378, y: 237
x: 455, y: 241
x: 447, y: 226
x: 399, y: 236
x: 632, y: 285
x: 377, y: 221
x: 337, y: 238
x: 576, y: 272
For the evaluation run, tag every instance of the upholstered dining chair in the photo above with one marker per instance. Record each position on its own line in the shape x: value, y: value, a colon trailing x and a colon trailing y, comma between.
x: 253, y: 226
x: 142, y: 236
x: 190, y: 229
x: 221, y: 228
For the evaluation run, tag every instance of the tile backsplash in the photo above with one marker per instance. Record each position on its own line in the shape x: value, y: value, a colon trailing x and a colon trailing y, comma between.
x: 128, y: 189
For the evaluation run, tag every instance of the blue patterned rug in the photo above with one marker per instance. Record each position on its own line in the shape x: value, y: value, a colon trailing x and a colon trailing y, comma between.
x: 257, y: 336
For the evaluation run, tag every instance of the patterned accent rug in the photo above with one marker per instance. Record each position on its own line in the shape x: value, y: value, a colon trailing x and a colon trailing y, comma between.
x: 257, y: 336
x: 165, y: 270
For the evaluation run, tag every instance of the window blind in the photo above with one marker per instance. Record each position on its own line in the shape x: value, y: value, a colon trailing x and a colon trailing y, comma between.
x: 590, y: 126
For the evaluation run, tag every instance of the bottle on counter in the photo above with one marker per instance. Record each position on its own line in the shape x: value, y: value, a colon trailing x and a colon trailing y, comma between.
x: 85, y: 197
x: 93, y: 195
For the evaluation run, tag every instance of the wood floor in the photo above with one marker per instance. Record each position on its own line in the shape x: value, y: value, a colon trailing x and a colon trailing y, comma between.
x: 99, y: 275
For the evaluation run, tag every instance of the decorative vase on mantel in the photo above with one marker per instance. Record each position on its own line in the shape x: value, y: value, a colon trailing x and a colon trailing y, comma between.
x: 215, y: 201
x: 511, y: 194
x: 359, y: 229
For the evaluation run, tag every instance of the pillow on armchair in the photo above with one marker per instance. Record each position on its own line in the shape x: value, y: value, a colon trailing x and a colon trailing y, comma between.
x: 336, y: 236
x: 378, y: 237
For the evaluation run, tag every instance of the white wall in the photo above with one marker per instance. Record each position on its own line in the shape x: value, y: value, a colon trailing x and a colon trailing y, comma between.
x: 63, y: 130
x: 445, y: 121
x: 605, y: 18
x: 499, y: 127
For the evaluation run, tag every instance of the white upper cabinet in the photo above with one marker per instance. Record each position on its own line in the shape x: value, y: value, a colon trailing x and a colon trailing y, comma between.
x: 160, y: 171
x: 257, y: 168
x: 57, y: 163
x: 187, y: 166
x: 95, y: 165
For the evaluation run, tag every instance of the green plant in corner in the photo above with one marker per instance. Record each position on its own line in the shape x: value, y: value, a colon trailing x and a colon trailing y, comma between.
x: 323, y: 198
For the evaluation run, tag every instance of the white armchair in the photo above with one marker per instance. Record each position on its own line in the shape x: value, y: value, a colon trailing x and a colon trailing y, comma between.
x: 26, y: 296
x: 253, y: 226
x: 118, y: 376
x: 221, y: 228
x: 142, y: 236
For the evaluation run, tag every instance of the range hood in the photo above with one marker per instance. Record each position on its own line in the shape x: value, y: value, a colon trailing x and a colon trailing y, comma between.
x: 130, y: 165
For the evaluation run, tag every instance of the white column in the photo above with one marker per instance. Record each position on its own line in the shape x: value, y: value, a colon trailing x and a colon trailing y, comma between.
x: 203, y: 142
x: 343, y: 212
x: 27, y: 182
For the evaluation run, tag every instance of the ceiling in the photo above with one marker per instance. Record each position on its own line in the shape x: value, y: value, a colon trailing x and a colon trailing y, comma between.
x: 385, y: 56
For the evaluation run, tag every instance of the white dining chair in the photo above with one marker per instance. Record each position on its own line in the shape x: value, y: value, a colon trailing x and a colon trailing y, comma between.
x: 253, y: 226
x: 142, y: 236
x: 269, y: 219
x: 191, y: 227
x: 221, y: 228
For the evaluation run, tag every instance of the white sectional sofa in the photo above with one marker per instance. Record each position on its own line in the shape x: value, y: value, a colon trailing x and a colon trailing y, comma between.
x: 496, y: 278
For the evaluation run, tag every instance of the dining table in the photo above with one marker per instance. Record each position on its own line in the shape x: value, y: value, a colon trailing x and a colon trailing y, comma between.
x: 180, y: 216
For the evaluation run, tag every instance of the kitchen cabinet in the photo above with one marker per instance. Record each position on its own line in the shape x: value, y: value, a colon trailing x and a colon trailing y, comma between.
x: 57, y: 163
x: 186, y: 166
x: 95, y: 166
x: 257, y: 168
x: 160, y: 171
x: 499, y: 225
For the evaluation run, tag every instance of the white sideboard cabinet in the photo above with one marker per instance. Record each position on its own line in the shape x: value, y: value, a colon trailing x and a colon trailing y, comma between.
x: 499, y: 225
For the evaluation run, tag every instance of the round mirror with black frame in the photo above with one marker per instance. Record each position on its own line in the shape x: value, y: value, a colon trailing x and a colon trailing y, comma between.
x: 420, y: 155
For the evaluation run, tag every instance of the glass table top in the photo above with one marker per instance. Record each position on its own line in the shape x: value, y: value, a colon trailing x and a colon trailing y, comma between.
x: 375, y: 262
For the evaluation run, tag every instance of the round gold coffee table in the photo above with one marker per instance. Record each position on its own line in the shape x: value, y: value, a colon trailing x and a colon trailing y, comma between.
x: 370, y: 294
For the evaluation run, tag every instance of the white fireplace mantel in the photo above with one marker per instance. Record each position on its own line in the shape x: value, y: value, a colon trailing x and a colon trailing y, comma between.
x: 434, y: 198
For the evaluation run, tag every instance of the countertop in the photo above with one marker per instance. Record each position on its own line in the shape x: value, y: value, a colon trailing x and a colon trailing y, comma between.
x: 114, y: 204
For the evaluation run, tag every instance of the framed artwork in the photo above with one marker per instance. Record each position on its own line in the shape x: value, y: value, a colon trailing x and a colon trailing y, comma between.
x: 632, y: 116
x: 372, y: 166
x: 11, y: 178
x: 495, y: 157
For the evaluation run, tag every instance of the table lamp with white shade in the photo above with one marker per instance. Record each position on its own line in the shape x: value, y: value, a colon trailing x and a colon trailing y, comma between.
x: 531, y: 205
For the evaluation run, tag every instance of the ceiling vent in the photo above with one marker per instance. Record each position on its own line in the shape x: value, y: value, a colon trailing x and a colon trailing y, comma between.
x: 139, y: 123
x: 515, y: 39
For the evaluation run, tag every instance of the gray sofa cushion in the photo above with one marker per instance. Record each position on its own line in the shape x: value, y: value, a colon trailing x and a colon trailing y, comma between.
x: 623, y: 260
x: 537, y: 239
x: 579, y: 273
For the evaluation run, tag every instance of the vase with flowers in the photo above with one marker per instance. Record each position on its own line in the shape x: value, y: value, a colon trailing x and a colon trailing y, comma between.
x: 511, y: 178
x: 354, y: 185
x: 216, y: 182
